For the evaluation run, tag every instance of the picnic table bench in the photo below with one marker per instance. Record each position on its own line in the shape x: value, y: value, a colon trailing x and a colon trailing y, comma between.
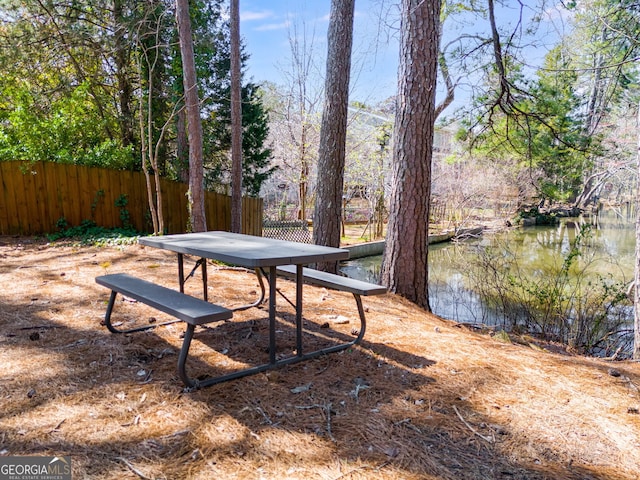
x: 337, y: 282
x: 191, y: 310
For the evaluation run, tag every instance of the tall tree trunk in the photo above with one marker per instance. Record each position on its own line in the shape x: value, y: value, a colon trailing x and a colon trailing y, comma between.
x: 303, y: 184
x: 636, y: 290
x: 333, y: 132
x: 236, y: 121
x: 125, y: 89
x: 148, y: 150
x: 305, y: 102
x: 194, y: 124
x: 405, y: 263
x: 182, y: 146
x: 147, y: 163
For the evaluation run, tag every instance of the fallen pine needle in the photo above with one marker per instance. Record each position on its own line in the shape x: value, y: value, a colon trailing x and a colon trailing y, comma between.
x: 133, y: 469
x: 488, y: 439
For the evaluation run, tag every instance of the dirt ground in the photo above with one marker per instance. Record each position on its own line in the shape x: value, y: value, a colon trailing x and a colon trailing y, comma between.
x: 421, y: 398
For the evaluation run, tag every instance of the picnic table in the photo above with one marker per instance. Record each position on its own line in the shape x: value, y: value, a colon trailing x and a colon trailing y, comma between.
x: 266, y: 256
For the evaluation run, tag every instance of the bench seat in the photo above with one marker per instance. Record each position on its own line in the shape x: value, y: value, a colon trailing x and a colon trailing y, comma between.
x: 191, y: 310
x: 337, y: 282
x: 333, y: 281
x: 184, y: 307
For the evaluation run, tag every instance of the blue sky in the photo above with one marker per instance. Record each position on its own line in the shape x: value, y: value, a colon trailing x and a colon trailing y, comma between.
x: 267, y: 25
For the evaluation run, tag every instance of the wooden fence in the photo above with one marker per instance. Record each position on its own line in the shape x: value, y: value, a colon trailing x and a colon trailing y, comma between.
x: 35, y: 197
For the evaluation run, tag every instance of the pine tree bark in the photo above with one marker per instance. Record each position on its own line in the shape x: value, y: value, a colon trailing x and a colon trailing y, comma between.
x: 405, y: 262
x: 636, y: 290
x: 125, y: 88
x: 333, y: 131
x: 181, y: 164
x: 194, y: 123
x: 236, y: 121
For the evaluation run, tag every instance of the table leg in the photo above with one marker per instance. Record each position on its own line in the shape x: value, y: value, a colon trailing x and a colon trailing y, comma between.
x: 272, y: 315
x: 299, y: 283
x: 181, y: 271
x: 205, y: 294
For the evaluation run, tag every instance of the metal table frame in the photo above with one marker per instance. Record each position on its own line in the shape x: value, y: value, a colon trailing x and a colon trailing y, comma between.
x: 259, y: 254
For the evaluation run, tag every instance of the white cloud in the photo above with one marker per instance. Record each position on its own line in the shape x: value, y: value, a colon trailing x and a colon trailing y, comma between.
x: 273, y: 26
x: 250, y: 16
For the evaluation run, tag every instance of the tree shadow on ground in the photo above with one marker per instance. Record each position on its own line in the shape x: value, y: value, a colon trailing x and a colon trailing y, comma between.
x: 320, y: 402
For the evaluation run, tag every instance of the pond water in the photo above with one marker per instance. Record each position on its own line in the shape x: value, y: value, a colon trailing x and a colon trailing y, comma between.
x: 608, y: 252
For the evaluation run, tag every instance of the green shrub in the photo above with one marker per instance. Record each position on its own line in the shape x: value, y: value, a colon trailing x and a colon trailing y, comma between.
x: 566, y: 302
x: 88, y: 233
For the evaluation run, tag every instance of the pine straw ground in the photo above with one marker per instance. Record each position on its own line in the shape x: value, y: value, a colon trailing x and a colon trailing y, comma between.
x: 419, y: 399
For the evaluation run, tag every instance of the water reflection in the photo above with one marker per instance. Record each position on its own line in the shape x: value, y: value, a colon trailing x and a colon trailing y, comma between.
x: 609, y: 251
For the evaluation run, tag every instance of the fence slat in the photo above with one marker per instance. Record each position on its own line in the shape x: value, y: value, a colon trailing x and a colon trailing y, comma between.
x: 73, y: 198
x: 22, y: 203
x: 85, y: 193
x: 43, y: 208
x: 30, y: 191
x: 7, y: 209
x: 111, y: 195
x: 60, y: 192
x: 97, y: 192
x: 137, y: 197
